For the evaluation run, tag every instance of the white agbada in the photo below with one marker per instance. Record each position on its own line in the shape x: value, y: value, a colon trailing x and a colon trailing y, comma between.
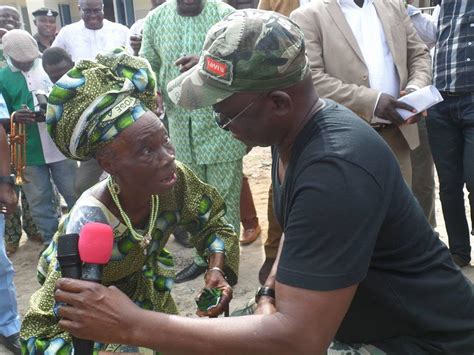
x: 83, y: 43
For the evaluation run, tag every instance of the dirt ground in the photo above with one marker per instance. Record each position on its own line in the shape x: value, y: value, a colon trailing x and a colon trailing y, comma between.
x: 257, y: 166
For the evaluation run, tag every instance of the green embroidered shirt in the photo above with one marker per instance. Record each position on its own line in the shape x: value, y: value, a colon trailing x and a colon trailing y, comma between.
x: 166, y: 37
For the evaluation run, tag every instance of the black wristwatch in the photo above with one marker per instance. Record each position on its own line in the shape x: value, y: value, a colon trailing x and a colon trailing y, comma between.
x: 264, y: 291
x: 10, y: 179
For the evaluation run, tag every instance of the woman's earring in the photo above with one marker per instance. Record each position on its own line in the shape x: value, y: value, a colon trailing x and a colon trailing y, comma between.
x: 114, y: 186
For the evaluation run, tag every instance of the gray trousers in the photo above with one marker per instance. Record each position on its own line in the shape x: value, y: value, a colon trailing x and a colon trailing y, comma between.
x: 423, y: 183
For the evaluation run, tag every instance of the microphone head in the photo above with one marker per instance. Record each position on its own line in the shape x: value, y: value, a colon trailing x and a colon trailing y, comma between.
x: 96, y: 241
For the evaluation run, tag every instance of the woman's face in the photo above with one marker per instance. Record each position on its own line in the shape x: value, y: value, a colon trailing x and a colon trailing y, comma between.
x: 142, y: 157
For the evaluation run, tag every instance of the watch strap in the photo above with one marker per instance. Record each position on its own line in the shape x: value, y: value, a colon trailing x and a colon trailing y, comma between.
x: 264, y: 291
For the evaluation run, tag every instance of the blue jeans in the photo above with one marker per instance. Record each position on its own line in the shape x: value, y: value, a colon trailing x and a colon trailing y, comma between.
x: 451, y: 135
x: 9, y: 319
x: 40, y: 194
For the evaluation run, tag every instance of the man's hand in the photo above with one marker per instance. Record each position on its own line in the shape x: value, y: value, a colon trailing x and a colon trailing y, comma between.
x: 24, y: 115
x: 136, y: 43
x: 386, y: 109
x: 214, y: 279
x: 40, y: 116
x: 93, y: 311
x: 8, y: 198
x: 186, y: 62
x: 418, y: 117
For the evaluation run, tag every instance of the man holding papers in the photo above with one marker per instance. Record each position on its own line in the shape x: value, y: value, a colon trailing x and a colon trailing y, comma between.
x: 364, y: 55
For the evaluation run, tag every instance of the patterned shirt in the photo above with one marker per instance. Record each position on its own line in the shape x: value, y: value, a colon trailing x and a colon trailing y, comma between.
x: 454, y: 55
x: 166, y: 37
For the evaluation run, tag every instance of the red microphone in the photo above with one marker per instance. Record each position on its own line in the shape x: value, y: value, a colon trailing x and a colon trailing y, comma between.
x: 95, y: 245
x: 96, y: 241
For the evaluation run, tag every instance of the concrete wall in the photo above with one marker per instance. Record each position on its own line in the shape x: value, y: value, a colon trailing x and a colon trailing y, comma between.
x: 141, y: 8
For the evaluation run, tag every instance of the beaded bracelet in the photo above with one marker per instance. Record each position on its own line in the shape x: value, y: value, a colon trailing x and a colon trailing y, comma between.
x: 215, y: 268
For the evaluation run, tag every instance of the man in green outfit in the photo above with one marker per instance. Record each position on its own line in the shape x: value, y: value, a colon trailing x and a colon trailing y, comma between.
x: 21, y: 83
x: 21, y: 218
x: 213, y: 154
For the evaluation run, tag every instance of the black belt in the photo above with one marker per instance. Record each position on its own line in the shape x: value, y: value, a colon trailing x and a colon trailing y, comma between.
x: 455, y: 94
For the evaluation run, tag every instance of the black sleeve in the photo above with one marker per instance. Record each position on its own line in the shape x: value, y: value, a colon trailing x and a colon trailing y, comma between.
x: 333, y: 218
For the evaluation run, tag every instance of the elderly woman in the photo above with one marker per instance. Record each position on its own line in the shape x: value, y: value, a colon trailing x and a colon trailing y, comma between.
x: 104, y: 110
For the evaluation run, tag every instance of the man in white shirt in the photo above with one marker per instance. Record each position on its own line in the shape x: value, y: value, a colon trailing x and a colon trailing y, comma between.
x: 92, y: 34
x: 84, y: 40
x: 365, y: 55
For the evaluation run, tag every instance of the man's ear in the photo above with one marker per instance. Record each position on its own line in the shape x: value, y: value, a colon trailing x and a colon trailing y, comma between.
x: 282, y: 103
x: 34, y: 21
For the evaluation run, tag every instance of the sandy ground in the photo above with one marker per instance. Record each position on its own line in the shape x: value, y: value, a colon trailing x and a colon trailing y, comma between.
x: 257, y: 166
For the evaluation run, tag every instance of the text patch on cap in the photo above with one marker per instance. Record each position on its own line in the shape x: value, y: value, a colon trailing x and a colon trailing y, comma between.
x: 218, y: 69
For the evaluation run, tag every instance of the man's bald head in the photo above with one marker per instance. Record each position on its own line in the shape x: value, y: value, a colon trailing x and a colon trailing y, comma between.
x: 9, y: 18
x: 83, y: 3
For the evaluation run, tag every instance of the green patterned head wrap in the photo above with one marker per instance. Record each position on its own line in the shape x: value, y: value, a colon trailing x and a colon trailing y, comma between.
x: 93, y: 102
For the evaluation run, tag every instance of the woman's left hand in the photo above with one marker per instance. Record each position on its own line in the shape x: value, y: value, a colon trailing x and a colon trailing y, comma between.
x: 215, y: 279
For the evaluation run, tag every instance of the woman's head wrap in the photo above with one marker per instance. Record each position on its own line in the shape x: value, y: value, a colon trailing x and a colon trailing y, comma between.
x: 93, y: 102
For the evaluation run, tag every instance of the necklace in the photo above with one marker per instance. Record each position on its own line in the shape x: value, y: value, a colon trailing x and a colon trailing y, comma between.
x: 144, y: 240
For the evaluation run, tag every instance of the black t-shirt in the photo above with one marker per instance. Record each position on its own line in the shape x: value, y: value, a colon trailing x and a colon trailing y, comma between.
x: 349, y: 218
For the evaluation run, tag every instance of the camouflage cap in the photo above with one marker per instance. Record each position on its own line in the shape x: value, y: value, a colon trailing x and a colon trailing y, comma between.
x: 248, y: 51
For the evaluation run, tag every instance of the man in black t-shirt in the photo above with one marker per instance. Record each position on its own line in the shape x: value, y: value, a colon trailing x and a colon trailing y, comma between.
x: 359, y: 268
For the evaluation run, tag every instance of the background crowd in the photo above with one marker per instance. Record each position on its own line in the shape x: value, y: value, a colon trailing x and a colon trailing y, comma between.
x: 380, y: 52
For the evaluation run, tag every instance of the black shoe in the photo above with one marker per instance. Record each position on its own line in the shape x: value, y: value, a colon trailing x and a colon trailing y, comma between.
x: 190, y: 273
x: 12, y: 343
x: 182, y: 237
x: 265, y: 270
x: 460, y: 261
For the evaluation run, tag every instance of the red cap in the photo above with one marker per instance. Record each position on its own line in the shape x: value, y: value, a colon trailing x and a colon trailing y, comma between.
x: 96, y: 241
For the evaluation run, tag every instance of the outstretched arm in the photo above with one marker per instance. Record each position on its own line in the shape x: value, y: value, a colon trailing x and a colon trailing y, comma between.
x: 306, y: 322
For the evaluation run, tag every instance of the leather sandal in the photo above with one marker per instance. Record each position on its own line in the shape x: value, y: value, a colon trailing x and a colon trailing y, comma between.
x: 250, y: 235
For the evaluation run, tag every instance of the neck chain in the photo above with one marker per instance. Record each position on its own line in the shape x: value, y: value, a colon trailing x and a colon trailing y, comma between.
x: 144, y: 240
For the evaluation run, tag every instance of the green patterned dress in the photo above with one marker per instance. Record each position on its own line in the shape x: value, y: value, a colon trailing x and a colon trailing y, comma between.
x: 212, y: 153
x: 146, y: 279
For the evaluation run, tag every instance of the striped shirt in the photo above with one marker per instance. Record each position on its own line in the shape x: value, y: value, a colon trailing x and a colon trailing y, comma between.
x: 454, y: 55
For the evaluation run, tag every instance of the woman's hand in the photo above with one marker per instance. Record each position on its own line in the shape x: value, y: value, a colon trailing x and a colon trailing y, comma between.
x: 215, y: 279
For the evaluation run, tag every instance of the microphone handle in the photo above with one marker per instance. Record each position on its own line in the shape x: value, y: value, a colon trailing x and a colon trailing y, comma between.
x: 71, y: 271
x: 92, y: 273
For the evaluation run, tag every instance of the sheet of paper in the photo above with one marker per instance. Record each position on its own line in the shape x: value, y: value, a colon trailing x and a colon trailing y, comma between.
x: 421, y: 100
